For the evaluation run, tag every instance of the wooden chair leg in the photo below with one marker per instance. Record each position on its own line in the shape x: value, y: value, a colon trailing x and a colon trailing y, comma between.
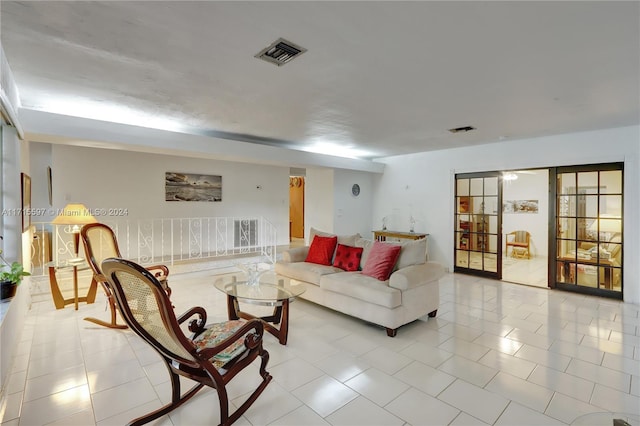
x: 114, y: 320
x: 105, y: 324
x: 266, y: 378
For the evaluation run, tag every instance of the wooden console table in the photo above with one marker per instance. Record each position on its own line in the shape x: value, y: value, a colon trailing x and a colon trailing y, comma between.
x: 382, y: 235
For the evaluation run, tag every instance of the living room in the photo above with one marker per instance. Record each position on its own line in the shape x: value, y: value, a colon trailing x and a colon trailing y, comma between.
x: 116, y: 165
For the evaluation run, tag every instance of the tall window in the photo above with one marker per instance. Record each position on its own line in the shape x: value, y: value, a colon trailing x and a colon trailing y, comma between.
x: 589, y: 206
x: 477, y: 224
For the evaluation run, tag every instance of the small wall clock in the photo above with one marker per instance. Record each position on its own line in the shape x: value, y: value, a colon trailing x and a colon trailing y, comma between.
x: 355, y: 189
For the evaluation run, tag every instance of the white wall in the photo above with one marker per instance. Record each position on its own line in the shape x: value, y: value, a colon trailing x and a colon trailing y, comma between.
x: 40, y: 159
x: 318, y: 201
x: 103, y: 178
x: 529, y: 187
x: 425, y: 183
x: 352, y: 214
x: 330, y: 205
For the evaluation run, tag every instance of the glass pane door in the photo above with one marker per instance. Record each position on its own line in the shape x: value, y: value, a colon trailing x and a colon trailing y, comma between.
x: 477, y: 230
x: 588, y: 233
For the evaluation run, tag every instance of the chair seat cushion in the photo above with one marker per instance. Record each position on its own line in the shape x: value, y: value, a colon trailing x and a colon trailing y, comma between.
x: 362, y: 287
x: 304, y: 271
x: 216, y: 333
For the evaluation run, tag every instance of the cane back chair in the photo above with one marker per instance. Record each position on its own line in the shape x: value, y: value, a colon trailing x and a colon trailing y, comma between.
x: 100, y: 243
x: 212, y: 356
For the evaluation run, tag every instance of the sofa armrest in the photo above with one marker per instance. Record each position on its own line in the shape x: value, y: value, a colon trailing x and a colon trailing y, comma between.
x: 298, y: 254
x: 416, y: 275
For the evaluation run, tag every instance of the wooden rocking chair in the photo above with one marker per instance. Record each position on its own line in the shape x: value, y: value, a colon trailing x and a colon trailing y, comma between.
x: 212, y: 356
x: 100, y: 243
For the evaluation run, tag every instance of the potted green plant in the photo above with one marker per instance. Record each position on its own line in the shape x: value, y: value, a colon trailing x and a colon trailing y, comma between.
x: 10, y: 277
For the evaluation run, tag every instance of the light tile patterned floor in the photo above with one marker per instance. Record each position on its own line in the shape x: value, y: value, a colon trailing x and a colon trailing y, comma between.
x: 531, y: 271
x: 497, y: 353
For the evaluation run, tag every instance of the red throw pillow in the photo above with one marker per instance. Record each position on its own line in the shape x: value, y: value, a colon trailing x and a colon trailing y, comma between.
x: 381, y: 259
x: 321, y: 250
x: 347, y: 257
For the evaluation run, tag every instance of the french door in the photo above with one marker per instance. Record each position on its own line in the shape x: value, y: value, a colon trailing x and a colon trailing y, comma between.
x: 478, y: 223
x: 587, y: 236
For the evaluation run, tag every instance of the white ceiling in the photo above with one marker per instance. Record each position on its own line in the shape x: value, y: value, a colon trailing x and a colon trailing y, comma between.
x: 387, y: 78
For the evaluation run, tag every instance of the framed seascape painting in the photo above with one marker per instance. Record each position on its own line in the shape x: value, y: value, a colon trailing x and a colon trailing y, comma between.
x: 192, y: 187
x: 520, y: 206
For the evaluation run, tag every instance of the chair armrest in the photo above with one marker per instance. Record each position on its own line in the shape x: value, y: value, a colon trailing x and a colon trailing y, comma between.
x: 251, y: 340
x: 298, y: 254
x: 416, y: 275
x: 196, y: 325
x: 158, y: 271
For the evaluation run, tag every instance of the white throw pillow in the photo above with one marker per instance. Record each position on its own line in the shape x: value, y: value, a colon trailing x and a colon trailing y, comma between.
x: 345, y: 240
x: 413, y: 252
x: 366, y: 245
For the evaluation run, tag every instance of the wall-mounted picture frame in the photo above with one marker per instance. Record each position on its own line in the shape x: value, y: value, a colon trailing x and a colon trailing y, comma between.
x: 192, y: 187
x: 26, y: 201
x: 520, y: 206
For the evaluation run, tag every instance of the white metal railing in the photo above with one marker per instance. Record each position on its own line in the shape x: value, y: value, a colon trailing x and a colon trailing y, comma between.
x: 168, y: 241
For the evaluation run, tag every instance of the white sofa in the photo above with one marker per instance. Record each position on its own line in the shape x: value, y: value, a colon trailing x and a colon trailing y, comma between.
x: 411, y: 292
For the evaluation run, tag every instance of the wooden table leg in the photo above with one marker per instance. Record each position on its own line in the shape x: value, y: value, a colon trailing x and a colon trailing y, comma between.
x: 75, y: 286
x: 608, y: 275
x: 283, y: 333
x: 58, y: 300
x: 232, y: 307
x: 280, y: 316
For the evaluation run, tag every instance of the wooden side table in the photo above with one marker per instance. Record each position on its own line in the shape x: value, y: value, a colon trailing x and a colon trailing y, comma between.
x: 382, y: 235
x: 567, y: 265
x: 58, y: 300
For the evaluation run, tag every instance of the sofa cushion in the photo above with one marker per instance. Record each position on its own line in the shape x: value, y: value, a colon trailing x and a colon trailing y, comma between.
x: 296, y: 254
x: 347, y: 240
x: 366, y: 248
x: 362, y: 287
x: 321, y: 250
x: 347, y: 257
x: 413, y: 252
x: 304, y: 271
x: 381, y: 260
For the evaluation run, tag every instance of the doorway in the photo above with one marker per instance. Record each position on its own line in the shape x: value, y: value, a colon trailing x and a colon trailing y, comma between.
x: 296, y: 208
x: 525, y: 221
x: 502, y: 225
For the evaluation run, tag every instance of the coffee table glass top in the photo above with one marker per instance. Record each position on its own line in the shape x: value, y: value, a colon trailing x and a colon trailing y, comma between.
x: 270, y: 288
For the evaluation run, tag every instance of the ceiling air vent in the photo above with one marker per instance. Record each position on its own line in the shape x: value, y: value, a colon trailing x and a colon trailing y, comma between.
x: 462, y: 129
x: 280, y: 52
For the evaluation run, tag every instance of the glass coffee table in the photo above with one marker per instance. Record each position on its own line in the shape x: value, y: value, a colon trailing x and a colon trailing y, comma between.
x: 269, y: 289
